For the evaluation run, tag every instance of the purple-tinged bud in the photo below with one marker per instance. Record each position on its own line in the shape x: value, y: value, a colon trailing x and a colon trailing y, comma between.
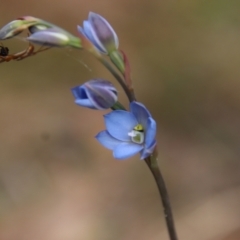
x: 100, y: 33
x: 95, y: 94
x: 54, y: 37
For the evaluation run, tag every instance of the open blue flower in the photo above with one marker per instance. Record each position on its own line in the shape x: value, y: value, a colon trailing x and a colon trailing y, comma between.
x: 129, y: 133
x: 100, y: 33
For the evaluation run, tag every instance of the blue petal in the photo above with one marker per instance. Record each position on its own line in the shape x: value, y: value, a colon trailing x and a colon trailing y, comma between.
x: 126, y: 150
x: 79, y: 92
x: 107, y: 140
x: 140, y: 112
x: 150, y: 132
x: 146, y: 152
x: 91, y: 35
x: 87, y: 30
x: 85, y: 103
x: 81, y: 98
x: 81, y: 30
x: 119, y: 123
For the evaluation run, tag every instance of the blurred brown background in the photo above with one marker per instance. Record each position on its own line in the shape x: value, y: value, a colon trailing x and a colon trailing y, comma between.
x: 58, y: 183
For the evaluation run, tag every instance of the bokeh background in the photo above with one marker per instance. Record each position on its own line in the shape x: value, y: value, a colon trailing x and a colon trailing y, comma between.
x: 58, y: 183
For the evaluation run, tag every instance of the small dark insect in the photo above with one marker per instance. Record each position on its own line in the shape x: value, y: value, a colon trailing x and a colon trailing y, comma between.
x: 4, y: 51
x: 5, y: 57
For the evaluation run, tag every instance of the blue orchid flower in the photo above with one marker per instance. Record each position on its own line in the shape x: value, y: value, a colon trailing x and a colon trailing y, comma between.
x: 95, y: 94
x: 129, y: 133
x: 100, y: 33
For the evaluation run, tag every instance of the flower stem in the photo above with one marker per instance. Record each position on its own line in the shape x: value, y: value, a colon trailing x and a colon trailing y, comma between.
x: 151, y: 161
x: 118, y: 106
x: 154, y: 168
x: 130, y: 94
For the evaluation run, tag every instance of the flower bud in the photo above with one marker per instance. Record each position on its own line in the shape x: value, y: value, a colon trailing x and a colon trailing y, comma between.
x: 14, y: 28
x: 43, y: 32
x: 100, y: 33
x: 95, y: 94
x: 54, y: 38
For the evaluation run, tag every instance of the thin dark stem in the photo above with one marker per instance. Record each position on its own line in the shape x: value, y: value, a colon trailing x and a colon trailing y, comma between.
x: 152, y: 164
x: 152, y: 160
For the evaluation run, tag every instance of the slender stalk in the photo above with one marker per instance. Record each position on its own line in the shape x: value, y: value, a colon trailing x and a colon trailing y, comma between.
x: 118, y: 106
x: 154, y: 168
x: 87, y: 44
x: 129, y: 93
x: 151, y: 161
